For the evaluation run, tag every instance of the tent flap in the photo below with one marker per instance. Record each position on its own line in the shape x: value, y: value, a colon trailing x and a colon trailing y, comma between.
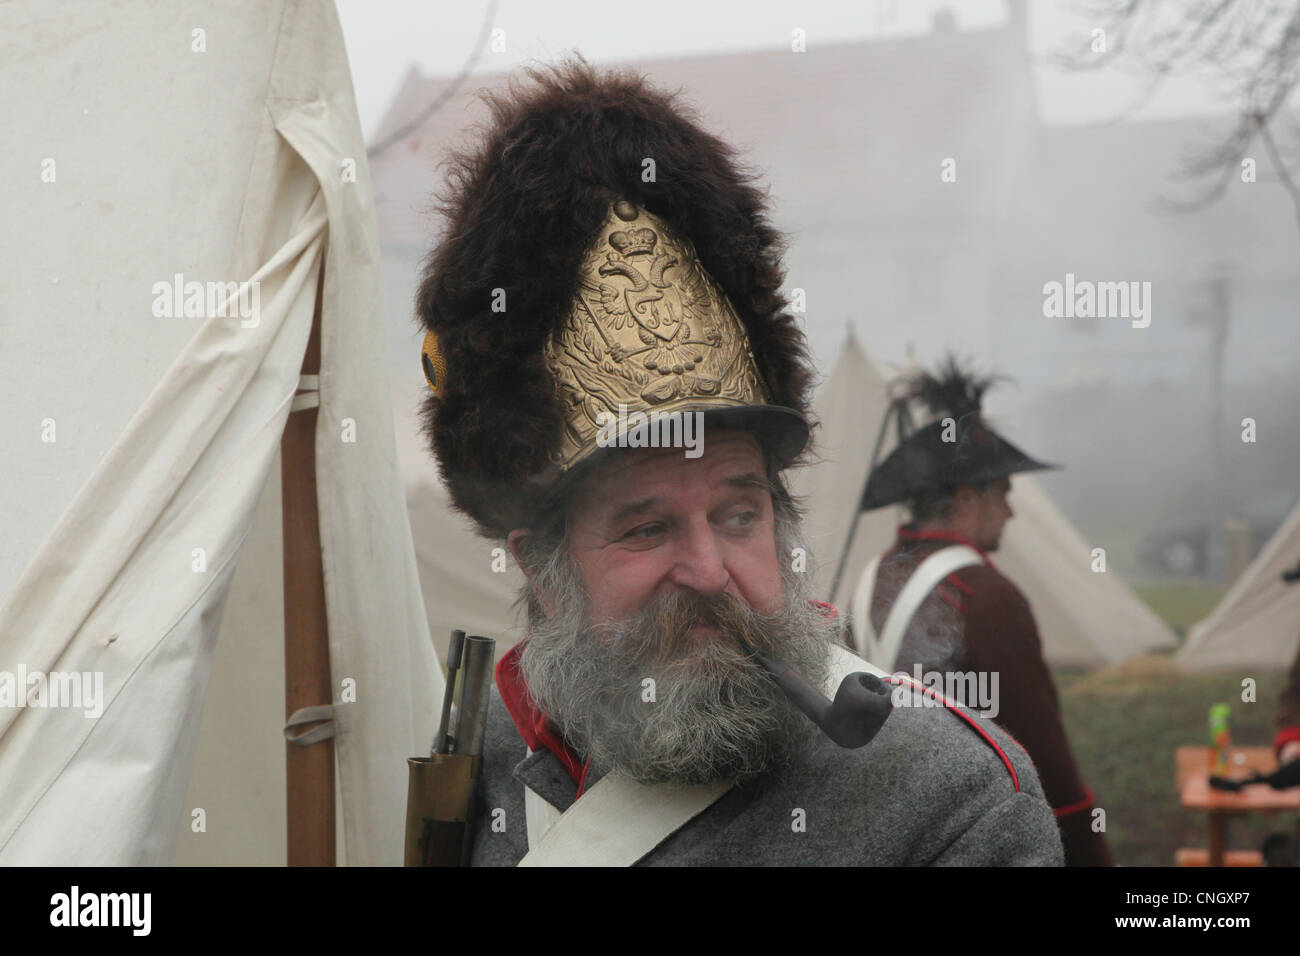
x: 247, y: 172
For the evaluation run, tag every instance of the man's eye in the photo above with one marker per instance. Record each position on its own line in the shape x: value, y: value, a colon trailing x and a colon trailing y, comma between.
x: 744, y: 519
x: 645, y: 531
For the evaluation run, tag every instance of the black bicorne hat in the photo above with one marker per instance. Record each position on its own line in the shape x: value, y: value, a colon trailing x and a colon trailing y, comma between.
x: 956, y: 448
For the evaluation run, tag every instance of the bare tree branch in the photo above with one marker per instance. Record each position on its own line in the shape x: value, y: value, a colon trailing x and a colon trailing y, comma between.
x: 1250, y: 48
x: 1275, y: 157
x: 452, y: 88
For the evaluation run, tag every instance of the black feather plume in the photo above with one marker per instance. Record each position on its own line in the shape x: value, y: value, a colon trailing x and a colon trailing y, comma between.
x: 950, y: 389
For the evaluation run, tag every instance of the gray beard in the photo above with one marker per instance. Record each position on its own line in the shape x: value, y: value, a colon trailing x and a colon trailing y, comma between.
x: 643, y: 697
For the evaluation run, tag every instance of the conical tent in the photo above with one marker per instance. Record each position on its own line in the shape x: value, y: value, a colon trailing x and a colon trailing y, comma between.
x: 1085, y: 618
x: 187, y: 195
x: 848, y: 408
x: 1257, y: 624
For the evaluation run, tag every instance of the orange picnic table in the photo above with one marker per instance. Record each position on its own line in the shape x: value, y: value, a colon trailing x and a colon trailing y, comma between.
x: 1193, y: 781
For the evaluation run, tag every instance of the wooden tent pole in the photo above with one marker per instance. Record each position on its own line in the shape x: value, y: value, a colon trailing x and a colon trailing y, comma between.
x: 310, y: 769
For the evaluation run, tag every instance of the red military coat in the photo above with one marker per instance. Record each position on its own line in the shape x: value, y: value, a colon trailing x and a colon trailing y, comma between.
x: 976, y: 620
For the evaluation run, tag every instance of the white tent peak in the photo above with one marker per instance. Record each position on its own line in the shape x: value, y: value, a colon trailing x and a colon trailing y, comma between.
x: 1257, y: 624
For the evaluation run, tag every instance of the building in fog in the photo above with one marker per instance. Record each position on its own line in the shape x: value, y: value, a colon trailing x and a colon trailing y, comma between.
x: 928, y: 204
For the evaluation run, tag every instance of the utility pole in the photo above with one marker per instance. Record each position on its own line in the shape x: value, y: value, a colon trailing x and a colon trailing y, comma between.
x: 1217, y: 320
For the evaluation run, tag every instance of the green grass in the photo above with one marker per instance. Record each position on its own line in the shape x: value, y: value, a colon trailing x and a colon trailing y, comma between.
x: 1181, y: 605
x: 1124, y: 724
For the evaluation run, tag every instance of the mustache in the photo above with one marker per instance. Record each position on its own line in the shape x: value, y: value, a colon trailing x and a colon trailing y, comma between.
x: 662, y: 630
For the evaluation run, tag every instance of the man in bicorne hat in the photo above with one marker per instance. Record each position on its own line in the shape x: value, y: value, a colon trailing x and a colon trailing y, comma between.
x: 617, y: 389
x: 935, y: 603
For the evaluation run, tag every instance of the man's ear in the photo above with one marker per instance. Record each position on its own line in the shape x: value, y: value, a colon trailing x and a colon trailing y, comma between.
x: 517, y: 542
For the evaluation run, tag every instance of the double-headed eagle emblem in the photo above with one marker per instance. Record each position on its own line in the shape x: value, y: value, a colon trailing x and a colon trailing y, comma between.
x: 648, y: 330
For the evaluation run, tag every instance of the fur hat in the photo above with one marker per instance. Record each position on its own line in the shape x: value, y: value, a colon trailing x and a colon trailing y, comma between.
x: 521, y: 207
x: 956, y: 447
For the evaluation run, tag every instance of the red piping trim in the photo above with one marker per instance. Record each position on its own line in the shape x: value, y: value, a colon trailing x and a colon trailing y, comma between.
x: 1083, y: 804
x: 830, y: 609
x: 960, y: 711
x: 959, y: 584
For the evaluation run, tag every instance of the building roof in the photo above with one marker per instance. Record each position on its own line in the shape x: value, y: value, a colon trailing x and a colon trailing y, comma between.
x: 851, y: 133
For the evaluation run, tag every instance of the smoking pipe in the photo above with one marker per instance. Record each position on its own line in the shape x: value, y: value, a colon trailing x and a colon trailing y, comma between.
x: 860, y: 708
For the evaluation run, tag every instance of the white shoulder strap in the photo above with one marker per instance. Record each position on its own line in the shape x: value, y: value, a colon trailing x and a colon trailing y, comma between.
x: 843, y: 663
x: 864, y: 635
x: 918, y: 587
x: 539, y: 814
x: 619, y: 821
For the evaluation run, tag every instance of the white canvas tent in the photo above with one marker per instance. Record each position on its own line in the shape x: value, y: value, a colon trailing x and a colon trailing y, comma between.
x: 848, y: 407
x: 1086, y: 619
x: 221, y: 144
x: 1257, y: 624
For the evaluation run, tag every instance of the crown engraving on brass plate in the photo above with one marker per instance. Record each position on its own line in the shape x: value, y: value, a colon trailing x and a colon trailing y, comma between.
x: 649, y: 329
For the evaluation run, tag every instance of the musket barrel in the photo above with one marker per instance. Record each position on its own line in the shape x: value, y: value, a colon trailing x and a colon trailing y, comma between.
x: 476, y: 685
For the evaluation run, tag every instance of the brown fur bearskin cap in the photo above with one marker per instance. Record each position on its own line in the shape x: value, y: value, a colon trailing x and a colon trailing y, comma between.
x: 521, y: 206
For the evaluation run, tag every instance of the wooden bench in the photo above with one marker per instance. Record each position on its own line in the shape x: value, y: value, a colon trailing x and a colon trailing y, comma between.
x: 1189, y: 856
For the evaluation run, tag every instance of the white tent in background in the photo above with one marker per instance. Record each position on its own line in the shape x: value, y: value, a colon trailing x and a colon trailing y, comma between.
x: 848, y: 407
x: 1257, y: 624
x: 213, y: 144
x: 1086, y: 619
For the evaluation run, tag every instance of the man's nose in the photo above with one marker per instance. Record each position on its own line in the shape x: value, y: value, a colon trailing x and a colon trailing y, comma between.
x: 699, y: 564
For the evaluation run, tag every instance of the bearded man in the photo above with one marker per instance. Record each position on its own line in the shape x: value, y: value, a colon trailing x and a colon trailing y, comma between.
x: 606, y: 261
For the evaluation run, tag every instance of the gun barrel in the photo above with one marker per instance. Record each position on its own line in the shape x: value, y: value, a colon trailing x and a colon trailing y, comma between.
x: 476, y: 684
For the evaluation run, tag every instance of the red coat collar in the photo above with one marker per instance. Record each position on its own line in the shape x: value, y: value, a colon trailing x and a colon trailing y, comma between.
x: 533, y: 724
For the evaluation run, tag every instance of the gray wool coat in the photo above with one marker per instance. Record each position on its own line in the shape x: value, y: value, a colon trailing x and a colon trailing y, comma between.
x: 927, y: 791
